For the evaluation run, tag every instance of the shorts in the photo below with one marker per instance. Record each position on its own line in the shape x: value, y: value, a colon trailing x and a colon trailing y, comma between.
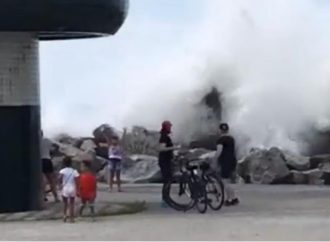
x: 87, y: 195
x: 90, y: 202
x: 69, y: 191
x: 115, y: 164
x: 47, y: 166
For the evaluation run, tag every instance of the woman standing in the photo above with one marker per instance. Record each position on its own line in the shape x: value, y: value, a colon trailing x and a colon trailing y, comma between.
x: 115, y: 159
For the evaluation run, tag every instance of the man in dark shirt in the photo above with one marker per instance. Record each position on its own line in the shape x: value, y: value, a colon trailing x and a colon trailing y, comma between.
x: 166, y: 149
x: 165, y: 156
x: 227, y: 161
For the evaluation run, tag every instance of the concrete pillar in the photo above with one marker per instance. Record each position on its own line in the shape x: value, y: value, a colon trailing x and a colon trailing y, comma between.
x: 20, y: 164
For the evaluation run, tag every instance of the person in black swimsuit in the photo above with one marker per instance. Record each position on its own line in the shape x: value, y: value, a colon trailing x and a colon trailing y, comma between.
x: 227, y: 161
x: 166, y: 149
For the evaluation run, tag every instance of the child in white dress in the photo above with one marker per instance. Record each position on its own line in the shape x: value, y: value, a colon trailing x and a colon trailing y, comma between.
x: 69, y: 186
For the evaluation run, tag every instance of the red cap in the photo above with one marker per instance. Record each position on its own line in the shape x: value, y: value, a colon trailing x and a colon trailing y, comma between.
x: 166, y: 126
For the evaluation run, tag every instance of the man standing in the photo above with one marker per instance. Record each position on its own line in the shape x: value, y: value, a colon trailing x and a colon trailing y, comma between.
x: 227, y: 161
x: 165, y: 156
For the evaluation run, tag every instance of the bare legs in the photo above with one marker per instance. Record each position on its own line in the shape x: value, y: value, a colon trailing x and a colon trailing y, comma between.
x: 65, y: 208
x: 230, y: 195
x: 114, y: 173
x: 68, y: 204
x: 118, y: 180
x: 50, y: 177
x: 111, y: 179
x: 229, y: 191
x: 91, y: 206
x: 71, y: 209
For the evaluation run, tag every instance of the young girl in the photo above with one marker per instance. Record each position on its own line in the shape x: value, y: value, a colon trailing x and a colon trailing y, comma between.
x: 69, y: 184
x: 87, y: 188
x: 115, y: 158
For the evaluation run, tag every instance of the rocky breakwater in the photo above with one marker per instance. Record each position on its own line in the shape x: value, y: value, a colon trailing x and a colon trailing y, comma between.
x: 274, y: 166
x: 140, y: 164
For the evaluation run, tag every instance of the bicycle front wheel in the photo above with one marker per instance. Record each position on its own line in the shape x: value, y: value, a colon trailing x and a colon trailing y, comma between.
x: 215, y: 192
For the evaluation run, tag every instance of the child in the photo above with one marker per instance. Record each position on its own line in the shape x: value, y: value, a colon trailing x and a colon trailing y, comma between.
x: 115, y: 158
x: 69, y: 184
x: 87, y: 189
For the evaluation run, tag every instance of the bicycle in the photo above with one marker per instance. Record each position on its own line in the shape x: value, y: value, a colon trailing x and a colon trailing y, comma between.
x: 194, y: 189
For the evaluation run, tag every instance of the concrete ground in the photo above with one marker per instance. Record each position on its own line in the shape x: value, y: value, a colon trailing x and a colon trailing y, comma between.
x: 265, y: 213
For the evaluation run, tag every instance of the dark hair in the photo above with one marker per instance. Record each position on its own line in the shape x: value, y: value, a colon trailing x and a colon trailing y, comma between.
x: 224, y: 127
x: 67, y: 161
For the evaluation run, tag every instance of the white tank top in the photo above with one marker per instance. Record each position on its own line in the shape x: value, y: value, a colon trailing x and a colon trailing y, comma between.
x: 115, y: 152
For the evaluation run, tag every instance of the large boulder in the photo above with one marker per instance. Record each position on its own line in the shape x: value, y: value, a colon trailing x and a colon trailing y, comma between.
x: 65, y: 139
x: 77, y: 155
x: 143, y: 169
x: 263, y: 166
x: 299, y: 177
x: 317, y: 160
x: 296, y: 162
x: 135, y: 169
x: 140, y: 141
x: 103, y: 175
x: 311, y: 177
x: 88, y: 145
x: 103, y: 133
x: 314, y: 177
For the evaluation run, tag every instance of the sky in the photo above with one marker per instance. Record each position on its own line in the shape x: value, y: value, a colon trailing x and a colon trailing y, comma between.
x: 85, y: 83
x: 270, y: 59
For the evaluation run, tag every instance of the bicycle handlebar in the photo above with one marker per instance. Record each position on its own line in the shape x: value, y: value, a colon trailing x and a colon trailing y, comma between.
x: 184, y: 161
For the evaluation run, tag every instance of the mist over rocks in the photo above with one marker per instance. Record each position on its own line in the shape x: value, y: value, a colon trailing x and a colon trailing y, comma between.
x: 271, y: 71
x: 272, y: 77
x: 140, y: 164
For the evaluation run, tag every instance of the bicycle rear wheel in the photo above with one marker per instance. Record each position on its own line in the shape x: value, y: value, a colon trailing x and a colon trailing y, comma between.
x: 200, y: 196
x: 215, y: 192
x: 177, y: 194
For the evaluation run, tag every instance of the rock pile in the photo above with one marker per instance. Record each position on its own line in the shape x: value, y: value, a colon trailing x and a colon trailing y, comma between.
x: 260, y: 166
x: 275, y: 166
x: 140, y: 163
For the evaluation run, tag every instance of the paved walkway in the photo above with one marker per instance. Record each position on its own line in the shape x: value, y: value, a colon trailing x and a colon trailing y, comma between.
x: 106, y: 205
x: 265, y: 213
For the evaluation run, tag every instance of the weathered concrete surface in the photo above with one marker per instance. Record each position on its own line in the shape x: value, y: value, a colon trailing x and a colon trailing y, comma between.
x: 105, y: 206
x: 265, y: 213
